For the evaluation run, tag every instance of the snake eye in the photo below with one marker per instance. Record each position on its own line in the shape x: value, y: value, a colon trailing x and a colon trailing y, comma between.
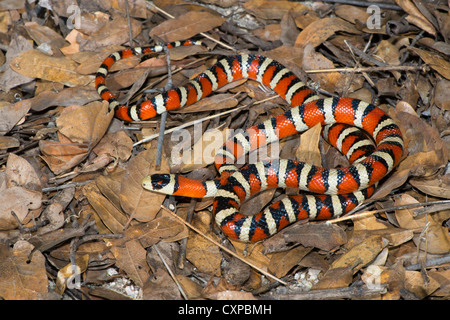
x: 159, y: 181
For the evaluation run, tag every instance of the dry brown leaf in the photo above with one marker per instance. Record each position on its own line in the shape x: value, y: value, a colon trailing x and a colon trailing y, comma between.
x: 162, y: 228
x: 11, y: 114
x: 313, y: 60
x: 65, y: 98
x: 62, y: 156
x: 435, y: 61
x: 435, y: 240
x: 441, y: 94
x: 321, y: 235
x: 204, y: 150
x: 113, y: 218
x: 415, y: 16
x: 10, y: 79
x: 85, y: 124
x: 117, y: 145
x: 335, y: 278
x: 361, y: 254
x: 132, y: 258
x: 200, y: 251
x: 22, y: 277
x: 405, y: 217
x: 282, y: 262
x: 20, y: 192
x: 273, y: 9
x: 308, y: 150
x: 137, y: 202
x: 111, y: 33
x: 437, y: 187
x: 351, y: 13
x: 186, y: 26
x: 319, y: 31
x: 71, y: 275
x: 35, y: 64
x: 395, y: 236
x: 8, y: 142
x: 43, y: 34
x: 191, y: 288
x: 414, y: 282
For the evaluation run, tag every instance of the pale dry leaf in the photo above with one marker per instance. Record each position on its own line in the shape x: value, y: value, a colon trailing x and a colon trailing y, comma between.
x: 35, y: 64
x: 22, y: 277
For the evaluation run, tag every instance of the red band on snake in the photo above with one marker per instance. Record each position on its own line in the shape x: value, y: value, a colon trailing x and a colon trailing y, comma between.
x: 338, y: 190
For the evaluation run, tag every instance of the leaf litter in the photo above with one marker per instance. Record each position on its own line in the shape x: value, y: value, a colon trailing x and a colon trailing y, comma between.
x: 70, y: 172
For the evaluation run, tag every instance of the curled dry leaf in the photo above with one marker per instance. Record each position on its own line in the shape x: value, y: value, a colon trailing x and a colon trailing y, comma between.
x: 22, y: 277
x: 187, y: 25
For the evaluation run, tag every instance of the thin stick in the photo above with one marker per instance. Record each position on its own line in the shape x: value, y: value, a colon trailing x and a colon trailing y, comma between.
x: 223, y: 248
x: 170, y: 272
x: 406, y: 206
x: 370, y: 69
x: 153, y: 136
x: 360, y: 3
x: 201, y: 33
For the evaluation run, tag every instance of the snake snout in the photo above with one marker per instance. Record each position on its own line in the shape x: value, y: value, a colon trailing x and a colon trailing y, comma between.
x: 156, y: 181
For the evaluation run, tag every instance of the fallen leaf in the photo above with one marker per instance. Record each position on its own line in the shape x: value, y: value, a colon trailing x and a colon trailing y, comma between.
x: 186, y: 26
x: 282, y: 262
x: 36, y: 64
x: 321, y: 235
x: 137, y: 202
x: 70, y: 275
x: 132, y: 258
x: 22, y: 277
x: 273, y: 9
x: 319, y: 31
x: 361, y: 254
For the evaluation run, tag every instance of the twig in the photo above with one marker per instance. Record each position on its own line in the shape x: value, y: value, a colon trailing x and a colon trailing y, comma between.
x: 130, y: 32
x: 223, y: 248
x: 65, y: 186
x: 170, y: 272
x: 162, y: 125
x: 201, y: 33
x: 370, y: 69
x: 339, y: 293
x: 429, y: 263
x: 406, y: 206
x: 153, y: 136
x: 182, y: 251
x: 365, y: 4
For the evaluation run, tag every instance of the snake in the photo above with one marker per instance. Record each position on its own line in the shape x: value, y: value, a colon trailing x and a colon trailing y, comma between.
x: 329, y: 192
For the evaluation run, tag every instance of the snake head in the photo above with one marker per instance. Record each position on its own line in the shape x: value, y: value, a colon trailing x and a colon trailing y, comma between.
x: 158, y: 182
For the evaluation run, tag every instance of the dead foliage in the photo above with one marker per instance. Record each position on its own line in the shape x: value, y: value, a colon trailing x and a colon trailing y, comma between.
x: 75, y: 221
